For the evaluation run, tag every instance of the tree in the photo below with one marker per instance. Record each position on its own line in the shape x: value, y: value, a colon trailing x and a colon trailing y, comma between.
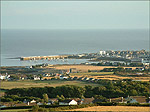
x: 40, y: 75
x: 14, y: 77
x: 100, y: 97
x: 45, y: 97
x: 133, y: 92
x: 35, y: 108
x: 62, y: 97
x: 88, y: 91
x: 89, y: 70
x: 6, y: 99
x: 29, y: 76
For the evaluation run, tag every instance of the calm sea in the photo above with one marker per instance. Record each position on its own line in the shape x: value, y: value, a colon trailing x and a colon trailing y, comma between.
x: 16, y: 43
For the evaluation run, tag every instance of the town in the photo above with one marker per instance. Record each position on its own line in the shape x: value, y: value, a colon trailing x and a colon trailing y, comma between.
x: 141, y: 56
x: 124, y: 74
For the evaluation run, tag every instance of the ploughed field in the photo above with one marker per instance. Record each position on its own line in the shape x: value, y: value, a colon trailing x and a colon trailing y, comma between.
x: 83, y: 69
x: 115, y: 109
x: 52, y: 83
x: 108, y: 76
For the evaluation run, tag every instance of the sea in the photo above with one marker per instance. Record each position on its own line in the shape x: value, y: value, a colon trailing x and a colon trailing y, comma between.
x: 46, y: 42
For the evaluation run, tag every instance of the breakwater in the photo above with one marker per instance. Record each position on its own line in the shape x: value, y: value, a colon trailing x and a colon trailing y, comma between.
x: 43, y: 57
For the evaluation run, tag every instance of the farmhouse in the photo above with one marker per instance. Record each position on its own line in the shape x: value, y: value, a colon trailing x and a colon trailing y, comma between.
x: 3, y: 77
x: 87, y: 100
x: 136, y: 99
x: 36, y: 77
x: 53, y: 100
x: 33, y: 101
x: 63, y: 77
x: 118, y: 100
x: 68, y: 102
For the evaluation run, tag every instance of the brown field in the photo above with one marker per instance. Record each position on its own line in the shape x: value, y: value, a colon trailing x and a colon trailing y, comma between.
x: 81, y: 68
x: 115, y: 109
x: 85, y: 68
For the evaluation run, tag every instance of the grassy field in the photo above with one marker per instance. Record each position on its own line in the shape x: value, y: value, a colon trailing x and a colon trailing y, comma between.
x: 52, y: 83
x: 115, y: 109
x: 16, y: 110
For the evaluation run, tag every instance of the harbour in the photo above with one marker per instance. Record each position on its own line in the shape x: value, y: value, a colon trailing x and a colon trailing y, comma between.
x: 44, y: 57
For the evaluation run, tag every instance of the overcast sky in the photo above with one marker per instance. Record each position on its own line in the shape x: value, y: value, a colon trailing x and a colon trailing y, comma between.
x: 74, y: 15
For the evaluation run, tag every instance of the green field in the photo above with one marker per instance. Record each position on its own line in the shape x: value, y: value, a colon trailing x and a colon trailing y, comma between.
x: 92, y: 73
x: 16, y: 110
x: 52, y: 83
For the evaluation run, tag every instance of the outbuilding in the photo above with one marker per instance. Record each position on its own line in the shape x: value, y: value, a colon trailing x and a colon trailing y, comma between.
x: 68, y: 102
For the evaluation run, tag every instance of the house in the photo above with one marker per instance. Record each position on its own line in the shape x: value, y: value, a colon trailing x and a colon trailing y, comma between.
x: 29, y: 67
x: 33, y: 101
x: 3, y: 77
x: 46, y: 75
x: 78, y: 100
x: 53, y: 100
x: 68, y: 102
x: 2, y: 106
x: 25, y: 101
x: 48, y: 103
x: 63, y: 77
x: 36, y: 77
x: 136, y: 99
x: 39, y: 103
x: 32, y: 104
x: 97, y: 100
x: 87, y: 100
x: 118, y: 100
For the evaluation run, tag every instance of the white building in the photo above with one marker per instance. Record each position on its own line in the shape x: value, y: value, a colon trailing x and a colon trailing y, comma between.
x: 36, y: 77
x: 63, y: 77
x: 33, y: 101
x: 4, y: 77
x: 39, y: 103
x: 102, y: 52
x: 68, y: 102
x: 146, y: 61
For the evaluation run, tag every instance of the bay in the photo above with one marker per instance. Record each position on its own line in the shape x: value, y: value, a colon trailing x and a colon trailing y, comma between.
x: 19, y: 42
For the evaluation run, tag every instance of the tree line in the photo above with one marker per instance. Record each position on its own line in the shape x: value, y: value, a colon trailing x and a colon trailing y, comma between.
x: 107, y: 89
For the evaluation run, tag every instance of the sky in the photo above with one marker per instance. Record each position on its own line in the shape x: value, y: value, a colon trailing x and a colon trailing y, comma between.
x: 75, y: 15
